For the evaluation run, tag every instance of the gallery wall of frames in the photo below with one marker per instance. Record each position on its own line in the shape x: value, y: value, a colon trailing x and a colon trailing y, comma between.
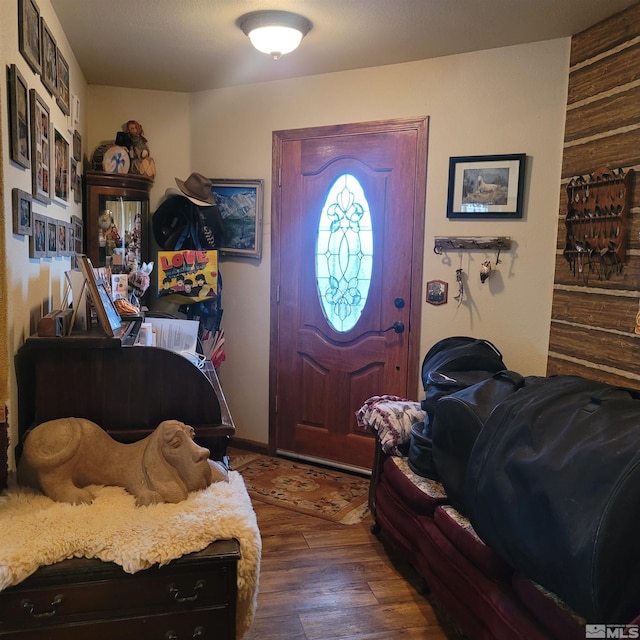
x: 51, y: 153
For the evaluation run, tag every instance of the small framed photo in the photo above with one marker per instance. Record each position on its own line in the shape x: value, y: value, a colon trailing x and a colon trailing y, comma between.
x: 63, y: 238
x: 63, y: 95
x: 52, y: 237
x: 486, y: 187
x: 38, y: 239
x: 61, y: 166
x: 77, y: 192
x: 18, y: 118
x: 240, y: 204
x: 49, y: 75
x: 71, y: 239
x: 77, y: 146
x: 437, y: 292
x: 77, y: 248
x: 22, y: 212
x: 29, y: 33
x: 40, y: 148
x: 74, y: 116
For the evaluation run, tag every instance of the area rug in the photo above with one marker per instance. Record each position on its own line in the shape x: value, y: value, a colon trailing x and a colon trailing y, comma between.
x: 37, y: 531
x: 315, y: 491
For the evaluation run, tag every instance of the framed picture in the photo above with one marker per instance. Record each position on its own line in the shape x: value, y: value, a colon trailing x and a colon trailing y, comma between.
x: 22, y: 212
x: 437, y: 292
x: 77, y: 248
x: 38, y: 238
x: 486, y: 187
x: 18, y: 118
x: 240, y: 203
x: 40, y: 148
x: 77, y: 146
x: 77, y: 192
x: 52, y: 237
x: 74, y: 116
x: 63, y: 95
x: 49, y: 75
x: 108, y: 316
x: 61, y: 166
x: 63, y: 231
x: 71, y: 240
x: 29, y: 33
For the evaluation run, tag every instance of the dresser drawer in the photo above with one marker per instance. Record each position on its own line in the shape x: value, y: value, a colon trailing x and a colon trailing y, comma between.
x: 79, y: 592
x: 207, y: 624
x: 146, y: 590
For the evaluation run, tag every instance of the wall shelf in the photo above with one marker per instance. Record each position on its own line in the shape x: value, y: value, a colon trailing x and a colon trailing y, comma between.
x: 470, y: 243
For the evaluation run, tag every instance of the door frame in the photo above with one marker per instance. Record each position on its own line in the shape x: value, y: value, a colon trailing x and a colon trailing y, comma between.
x: 421, y: 126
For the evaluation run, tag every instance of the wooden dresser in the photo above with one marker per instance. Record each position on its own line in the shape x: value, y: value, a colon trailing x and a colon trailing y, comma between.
x: 191, y: 597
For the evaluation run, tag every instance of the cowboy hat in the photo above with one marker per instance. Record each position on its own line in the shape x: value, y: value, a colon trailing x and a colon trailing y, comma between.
x: 198, y: 189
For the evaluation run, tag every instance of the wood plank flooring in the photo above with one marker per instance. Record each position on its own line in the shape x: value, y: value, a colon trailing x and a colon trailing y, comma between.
x: 326, y: 581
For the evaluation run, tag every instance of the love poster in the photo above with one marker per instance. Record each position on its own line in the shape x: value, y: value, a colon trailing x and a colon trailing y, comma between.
x: 187, y: 276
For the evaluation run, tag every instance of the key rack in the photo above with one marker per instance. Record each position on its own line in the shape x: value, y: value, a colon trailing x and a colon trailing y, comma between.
x: 470, y: 243
x: 597, y: 222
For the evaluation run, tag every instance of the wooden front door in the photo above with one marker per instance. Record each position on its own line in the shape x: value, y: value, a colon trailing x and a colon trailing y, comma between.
x: 347, y: 246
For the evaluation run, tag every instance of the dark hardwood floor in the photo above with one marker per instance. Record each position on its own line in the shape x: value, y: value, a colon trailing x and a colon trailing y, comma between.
x: 322, y: 581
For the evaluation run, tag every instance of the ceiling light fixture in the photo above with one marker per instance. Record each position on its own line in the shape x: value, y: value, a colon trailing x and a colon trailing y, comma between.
x: 274, y: 32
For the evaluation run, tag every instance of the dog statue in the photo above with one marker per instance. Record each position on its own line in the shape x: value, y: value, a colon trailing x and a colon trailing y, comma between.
x: 61, y: 457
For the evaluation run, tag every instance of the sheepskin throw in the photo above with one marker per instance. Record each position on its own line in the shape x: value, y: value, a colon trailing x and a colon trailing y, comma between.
x: 37, y: 531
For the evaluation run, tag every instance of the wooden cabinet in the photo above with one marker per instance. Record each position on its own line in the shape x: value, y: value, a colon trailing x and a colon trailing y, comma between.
x: 128, y: 391
x: 191, y: 597
x: 116, y: 219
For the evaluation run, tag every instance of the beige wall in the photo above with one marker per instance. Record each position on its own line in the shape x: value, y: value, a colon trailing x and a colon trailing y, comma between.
x: 508, y: 100
x: 34, y: 286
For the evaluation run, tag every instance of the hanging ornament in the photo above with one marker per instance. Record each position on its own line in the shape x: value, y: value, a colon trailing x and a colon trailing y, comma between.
x: 485, y: 270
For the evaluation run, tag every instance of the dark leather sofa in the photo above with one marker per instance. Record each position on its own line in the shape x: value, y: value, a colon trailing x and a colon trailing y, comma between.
x: 486, y: 599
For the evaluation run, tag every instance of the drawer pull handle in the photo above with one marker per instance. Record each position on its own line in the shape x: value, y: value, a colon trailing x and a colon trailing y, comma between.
x: 30, y: 607
x: 174, y: 592
x: 198, y: 632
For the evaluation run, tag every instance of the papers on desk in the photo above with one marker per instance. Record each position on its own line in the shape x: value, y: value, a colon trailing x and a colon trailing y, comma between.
x: 180, y: 336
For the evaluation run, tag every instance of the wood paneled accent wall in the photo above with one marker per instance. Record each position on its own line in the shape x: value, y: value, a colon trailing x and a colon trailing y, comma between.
x: 593, y: 318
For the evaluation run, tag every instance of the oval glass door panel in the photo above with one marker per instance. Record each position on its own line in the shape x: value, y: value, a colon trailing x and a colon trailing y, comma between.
x: 344, y: 253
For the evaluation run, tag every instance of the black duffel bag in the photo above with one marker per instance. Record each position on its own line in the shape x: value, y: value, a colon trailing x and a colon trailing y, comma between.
x: 455, y: 363
x: 459, y: 418
x: 450, y: 365
x: 553, y: 487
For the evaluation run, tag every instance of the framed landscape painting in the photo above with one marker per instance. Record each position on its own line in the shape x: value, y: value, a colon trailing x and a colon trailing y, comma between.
x: 240, y: 204
x: 486, y: 187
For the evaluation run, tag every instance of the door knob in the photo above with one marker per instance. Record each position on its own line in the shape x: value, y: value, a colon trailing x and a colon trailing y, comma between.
x: 398, y: 327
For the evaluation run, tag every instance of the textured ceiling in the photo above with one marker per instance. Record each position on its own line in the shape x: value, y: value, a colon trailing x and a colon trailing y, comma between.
x: 194, y: 45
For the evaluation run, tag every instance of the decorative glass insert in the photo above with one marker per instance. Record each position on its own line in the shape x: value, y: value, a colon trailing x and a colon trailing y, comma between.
x: 344, y: 253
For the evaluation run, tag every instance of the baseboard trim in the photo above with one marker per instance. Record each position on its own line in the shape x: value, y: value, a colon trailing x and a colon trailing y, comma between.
x: 249, y: 445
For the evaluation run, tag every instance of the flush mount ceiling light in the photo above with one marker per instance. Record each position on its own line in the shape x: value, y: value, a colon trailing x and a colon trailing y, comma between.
x: 274, y: 32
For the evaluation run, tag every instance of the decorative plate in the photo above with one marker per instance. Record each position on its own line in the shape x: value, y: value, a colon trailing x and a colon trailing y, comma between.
x: 116, y: 160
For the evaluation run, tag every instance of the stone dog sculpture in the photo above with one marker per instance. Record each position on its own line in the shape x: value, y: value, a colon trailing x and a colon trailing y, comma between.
x: 61, y: 457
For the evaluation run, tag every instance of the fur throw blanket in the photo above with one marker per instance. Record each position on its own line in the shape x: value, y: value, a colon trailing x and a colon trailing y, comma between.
x: 37, y: 531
